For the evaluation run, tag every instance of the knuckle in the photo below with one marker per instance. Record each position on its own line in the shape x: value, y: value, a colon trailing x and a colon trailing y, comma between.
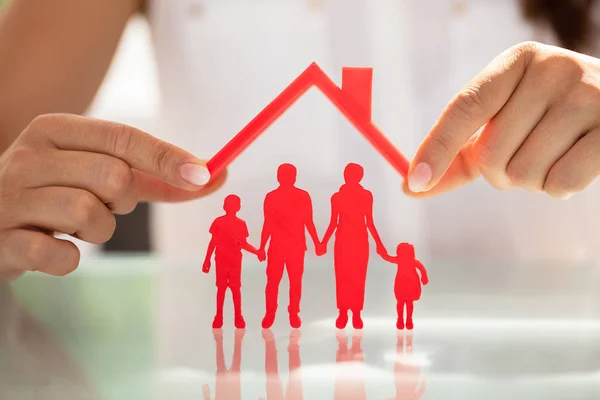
x: 84, y: 208
x: 161, y: 156
x: 18, y: 158
x: 555, y: 69
x: 126, y: 207
x: 66, y: 269
x: 584, y: 94
x: 519, y: 175
x: 483, y: 155
x: 524, y: 52
x: 110, y: 230
x: 120, y: 139
x: 526, y: 48
x: 118, y: 177
x: 468, y: 104
x: 16, y: 162
x: 442, y: 143
x: 560, y: 182
x: 105, y: 230
x: 43, y: 121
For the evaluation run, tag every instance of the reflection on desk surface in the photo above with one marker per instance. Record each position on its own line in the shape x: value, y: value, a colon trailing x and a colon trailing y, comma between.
x: 350, y: 379
x: 139, y: 333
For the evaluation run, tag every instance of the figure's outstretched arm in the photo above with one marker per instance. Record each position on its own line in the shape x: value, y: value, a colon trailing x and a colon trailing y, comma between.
x: 332, y: 223
x: 423, y: 271
x: 248, y: 247
x: 371, y: 226
x: 388, y: 258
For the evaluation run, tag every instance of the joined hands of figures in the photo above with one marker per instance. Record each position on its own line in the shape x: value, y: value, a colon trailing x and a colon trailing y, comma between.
x: 381, y: 250
x: 320, y: 249
x: 262, y: 256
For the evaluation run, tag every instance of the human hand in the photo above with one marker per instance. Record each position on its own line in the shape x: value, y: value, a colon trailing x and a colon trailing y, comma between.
x: 261, y: 255
x: 70, y: 174
x: 541, y: 109
x: 424, y: 280
x: 206, y: 266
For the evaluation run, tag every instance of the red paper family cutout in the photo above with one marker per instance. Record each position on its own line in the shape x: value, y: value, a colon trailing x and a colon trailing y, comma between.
x: 288, y: 216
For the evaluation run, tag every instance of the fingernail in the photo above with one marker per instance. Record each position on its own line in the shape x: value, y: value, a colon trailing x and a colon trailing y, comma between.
x: 566, y: 196
x: 195, y: 174
x: 419, y: 178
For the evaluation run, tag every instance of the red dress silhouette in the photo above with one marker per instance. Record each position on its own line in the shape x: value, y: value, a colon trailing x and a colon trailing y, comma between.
x: 288, y: 215
x: 350, y: 369
x: 407, y: 286
x: 227, y: 385
x: 274, y: 385
x: 410, y: 384
x: 351, y: 220
x: 229, y: 234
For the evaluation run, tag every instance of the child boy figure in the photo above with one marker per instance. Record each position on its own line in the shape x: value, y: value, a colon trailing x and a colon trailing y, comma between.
x: 229, y: 234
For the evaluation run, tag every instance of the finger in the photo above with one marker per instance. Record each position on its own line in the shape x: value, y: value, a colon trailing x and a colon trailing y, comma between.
x: 463, y: 170
x: 576, y: 169
x: 75, y: 212
x: 502, y: 136
x: 138, y: 149
x: 469, y: 110
x: 153, y: 189
x: 29, y: 250
x: 553, y: 136
x: 109, y: 178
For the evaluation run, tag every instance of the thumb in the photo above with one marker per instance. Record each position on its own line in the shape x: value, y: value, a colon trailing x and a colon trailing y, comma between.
x: 468, y: 111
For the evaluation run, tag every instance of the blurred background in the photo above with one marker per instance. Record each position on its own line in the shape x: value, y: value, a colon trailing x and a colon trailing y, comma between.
x: 513, y: 299
x: 194, y: 72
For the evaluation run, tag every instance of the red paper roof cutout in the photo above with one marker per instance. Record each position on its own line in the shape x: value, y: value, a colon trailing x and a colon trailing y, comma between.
x: 353, y: 100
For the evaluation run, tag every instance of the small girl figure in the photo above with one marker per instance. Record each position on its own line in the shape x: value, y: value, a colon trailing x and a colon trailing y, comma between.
x: 407, y: 286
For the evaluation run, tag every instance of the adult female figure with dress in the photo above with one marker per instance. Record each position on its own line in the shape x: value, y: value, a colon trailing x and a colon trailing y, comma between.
x: 351, y: 220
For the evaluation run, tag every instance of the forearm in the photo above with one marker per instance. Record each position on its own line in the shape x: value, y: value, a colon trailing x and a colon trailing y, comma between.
x: 53, y: 56
x: 249, y: 248
x: 312, y: 231
x: 210, y: 250
x: 264, y: 238
x: 389, y: 259
x: 329, y: 232
x: 375, y: 235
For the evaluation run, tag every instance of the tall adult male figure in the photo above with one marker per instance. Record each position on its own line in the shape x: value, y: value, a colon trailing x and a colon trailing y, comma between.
x: 288, y: 215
